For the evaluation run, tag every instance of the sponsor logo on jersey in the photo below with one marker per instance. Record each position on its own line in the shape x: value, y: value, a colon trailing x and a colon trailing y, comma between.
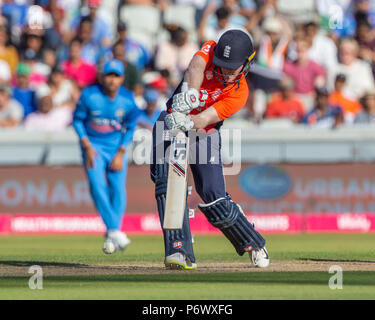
x: 119, y: 113
x: 216, y: 94
x: 100, y: 128
x: 203, y: 98
x: 177, y: 244
x: 104, y: 125
x: 95, y: 112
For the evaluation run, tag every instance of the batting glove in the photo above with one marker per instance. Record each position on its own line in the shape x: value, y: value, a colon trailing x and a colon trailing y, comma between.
x: 180, y: 121
x: 184, y: 102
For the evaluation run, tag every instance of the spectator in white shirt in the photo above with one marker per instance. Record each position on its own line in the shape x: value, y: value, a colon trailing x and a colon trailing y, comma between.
x: 359, y: 77
x: 63, y: 91
x: 322, y: 50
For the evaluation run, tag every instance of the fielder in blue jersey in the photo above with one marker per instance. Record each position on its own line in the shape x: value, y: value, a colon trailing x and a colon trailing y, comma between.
x: 105, y: 119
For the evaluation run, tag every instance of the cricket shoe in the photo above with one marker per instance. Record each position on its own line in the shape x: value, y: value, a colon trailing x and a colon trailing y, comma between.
x: 178, y: 261
x: 259, y: 257
x: 115, y: 241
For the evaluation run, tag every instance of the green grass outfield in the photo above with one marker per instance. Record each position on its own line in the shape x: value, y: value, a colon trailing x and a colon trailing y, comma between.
x: 20, y: 252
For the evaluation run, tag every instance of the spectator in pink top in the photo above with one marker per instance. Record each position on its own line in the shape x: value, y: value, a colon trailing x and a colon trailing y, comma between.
x: 77, y: 69
x: 305, y: 73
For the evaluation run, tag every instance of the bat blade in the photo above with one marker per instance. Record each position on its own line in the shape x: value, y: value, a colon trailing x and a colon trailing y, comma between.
x: 177, y: 183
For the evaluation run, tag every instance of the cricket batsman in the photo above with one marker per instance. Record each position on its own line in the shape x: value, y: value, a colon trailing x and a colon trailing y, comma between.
x: 213, y: 88
x: 105, y: 119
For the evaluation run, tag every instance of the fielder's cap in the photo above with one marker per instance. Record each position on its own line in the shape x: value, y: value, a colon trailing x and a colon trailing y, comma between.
x: 235, y: 48
x: 151, y: 95
x: 114, y: 66
x: 23, y: 69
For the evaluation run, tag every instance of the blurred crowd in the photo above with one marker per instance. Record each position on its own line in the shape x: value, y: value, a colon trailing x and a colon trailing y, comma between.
x: 314, y: 66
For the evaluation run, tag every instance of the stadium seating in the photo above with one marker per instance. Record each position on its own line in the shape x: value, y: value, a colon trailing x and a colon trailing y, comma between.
x: 182, y: 15
x: 143, y: 22
x: 277, y: 123
x: 297, y: 10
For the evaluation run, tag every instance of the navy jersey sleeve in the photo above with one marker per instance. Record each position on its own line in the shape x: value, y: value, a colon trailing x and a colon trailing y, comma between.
x: 130, y: 122
x: 80, y: 116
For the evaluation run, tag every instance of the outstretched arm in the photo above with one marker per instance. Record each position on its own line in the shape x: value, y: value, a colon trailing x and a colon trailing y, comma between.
x: 194, y: 74
x: 79, y: 116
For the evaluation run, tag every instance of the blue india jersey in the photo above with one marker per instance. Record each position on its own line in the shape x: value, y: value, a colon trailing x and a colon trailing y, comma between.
x: 104, y: 121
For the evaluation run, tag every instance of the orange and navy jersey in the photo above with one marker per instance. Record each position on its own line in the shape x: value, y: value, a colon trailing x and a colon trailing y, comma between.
x: 226, y: 100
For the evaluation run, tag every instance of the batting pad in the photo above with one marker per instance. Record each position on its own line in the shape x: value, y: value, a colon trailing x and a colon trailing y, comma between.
x: 174, y: 240
x: 227, y: 216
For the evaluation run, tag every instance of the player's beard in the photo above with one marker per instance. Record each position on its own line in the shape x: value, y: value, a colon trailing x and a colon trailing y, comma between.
x: 111, y: 90
x: 221, y: 77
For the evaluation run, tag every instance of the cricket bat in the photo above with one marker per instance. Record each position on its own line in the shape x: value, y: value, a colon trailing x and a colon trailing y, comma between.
x: 177, y: 182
